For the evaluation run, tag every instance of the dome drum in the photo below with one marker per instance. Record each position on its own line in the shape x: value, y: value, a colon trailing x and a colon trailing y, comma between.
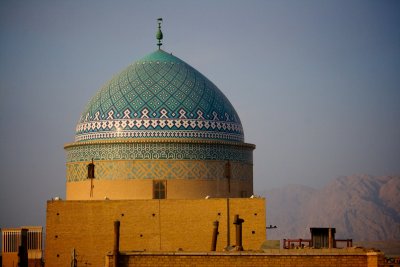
x: 135, y: 179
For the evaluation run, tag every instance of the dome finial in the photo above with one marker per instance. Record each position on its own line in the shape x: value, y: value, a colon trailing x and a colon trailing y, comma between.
x: 159, y: 34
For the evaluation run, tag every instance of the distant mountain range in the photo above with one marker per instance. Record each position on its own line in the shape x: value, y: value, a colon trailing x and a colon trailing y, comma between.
x: 360, y: 207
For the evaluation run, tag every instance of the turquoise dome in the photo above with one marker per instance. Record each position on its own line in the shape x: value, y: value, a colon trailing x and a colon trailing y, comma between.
x: 159, y: 96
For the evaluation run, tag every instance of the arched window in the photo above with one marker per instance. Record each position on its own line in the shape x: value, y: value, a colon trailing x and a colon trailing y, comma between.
x: 159, y: 189
x: 90, y: 168
x: 228, y: 173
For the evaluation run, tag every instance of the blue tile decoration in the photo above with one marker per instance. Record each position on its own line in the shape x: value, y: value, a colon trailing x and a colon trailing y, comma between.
x: 159, y: 151
x: 155, y: 169
x: 159, y: 96
x: 159, y: 119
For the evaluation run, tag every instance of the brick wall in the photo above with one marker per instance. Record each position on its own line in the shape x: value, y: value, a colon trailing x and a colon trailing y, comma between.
x: 150, y: 225
x: 275, y: 258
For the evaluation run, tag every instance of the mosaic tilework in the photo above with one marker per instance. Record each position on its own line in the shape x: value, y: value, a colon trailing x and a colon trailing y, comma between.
x: 159, y: 169
x: 157, y: 95
x: 166, y: 150
x: 161, y: 128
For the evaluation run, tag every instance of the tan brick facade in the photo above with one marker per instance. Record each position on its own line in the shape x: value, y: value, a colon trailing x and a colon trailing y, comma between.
x: 147, y: 225
x: 273, y: 258
x: 143, y: 189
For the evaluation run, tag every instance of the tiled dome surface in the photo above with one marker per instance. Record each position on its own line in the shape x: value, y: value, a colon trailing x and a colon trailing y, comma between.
x: 159, y: 96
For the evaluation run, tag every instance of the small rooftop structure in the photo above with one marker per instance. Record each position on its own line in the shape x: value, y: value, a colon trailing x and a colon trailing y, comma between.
x: 321, y: 237
x: 11, y: 243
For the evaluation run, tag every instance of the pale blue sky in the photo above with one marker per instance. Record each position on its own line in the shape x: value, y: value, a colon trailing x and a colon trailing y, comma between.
x: 315, y: 83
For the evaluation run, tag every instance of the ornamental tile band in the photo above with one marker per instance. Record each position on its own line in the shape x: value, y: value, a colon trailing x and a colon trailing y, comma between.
x: 162, y: 151
x: 157, y: 134
x: 156, y: 169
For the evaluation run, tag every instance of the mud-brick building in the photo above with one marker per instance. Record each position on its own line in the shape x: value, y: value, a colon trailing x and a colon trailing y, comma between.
x: 161, y: 149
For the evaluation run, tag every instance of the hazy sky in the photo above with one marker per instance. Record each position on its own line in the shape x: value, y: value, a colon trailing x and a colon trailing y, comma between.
x: 315, y: 83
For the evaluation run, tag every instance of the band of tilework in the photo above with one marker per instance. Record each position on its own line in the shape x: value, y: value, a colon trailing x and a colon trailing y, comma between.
x: 168, y: 150
x: 159, y: 169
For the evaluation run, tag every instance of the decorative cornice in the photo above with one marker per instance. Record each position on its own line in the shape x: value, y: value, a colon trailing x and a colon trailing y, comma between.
x: 166, y: 140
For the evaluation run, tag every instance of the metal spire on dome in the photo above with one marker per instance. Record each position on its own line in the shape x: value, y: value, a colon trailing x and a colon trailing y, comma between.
x: 159, y: 34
